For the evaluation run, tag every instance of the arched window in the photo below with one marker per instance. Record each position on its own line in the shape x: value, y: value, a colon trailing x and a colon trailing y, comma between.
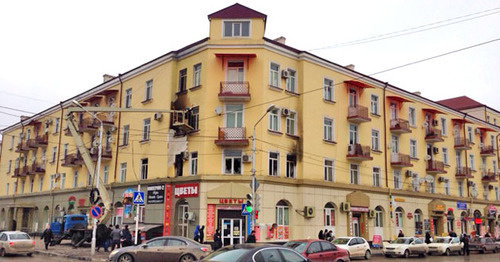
x: 379, y: 217
x: 329, y: 215
x: 419, y: 226
x: 399, y: 217
x: 282, y: 216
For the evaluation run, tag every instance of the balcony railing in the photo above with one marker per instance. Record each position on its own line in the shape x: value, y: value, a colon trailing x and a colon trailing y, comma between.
x: 21, y: 147
x: 489, y: 176
x: 42, y: 140
x: 234, y: 91
x: 358, y: 114
x: 400, y: 126
x: 400, y: 160
x: 433, y: 135
x: 487, y: 150
x: 72, y: 160
x: 435, y: 167
x: 358, y: 152
x: 462, y: 143
x: 17, y: 171
x: 31, y: 144
x: 106, y: 153
x: 463, y: 172
x: 37, y: 168
x: 232, y: 136
x: 87, y: 124
x: 25, y: 170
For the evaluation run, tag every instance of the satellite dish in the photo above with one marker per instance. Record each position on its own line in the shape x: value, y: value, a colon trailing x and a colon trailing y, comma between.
x: 218, y: 110
x: 429, y: 179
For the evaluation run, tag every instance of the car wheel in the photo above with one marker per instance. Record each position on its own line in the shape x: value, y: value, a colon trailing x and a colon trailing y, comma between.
x: 407, y: 253
x: 125, y: 258
x: 387, y: 255
x: 447, y: 252
x: 422, y: 254
x: 2, y: 252
x: 368, y: 254
x: 187, y: 258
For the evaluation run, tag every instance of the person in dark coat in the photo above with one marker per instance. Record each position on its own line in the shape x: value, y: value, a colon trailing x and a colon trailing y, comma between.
x: 465, y: 239
x: 251, y: 237
x: 427, y: 238
x: 217, y: 239
x: 329, y: 236
x: 47, y: 236
x: 126, y: 237
x: 14, y: 225
x: 202, y: 234
x: 401, y: 234
x: 320, y: 235
x: 116, y: 235
x: 196, y: 234
x: 453, y: 234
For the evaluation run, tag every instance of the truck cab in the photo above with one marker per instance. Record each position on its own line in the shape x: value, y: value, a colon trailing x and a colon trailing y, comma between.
x: 64, y: 224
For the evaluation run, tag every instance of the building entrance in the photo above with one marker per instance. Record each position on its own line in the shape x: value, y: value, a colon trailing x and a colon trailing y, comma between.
x: 232, y: 226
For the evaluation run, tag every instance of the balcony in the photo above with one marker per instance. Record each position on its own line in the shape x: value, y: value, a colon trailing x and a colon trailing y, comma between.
x: 88, y: 124
x: 107, y: 118
x: 433, y: 135
x: 72, y: 160
x: 234, y: 91
x: 232, y: 136
x: 31, y: 144
x: 42, y: 140
x: 358, y: 114
x: 180, y: 122
x: 400, y: 160
x: 400, y: 126
x: 37, y: 168
x: 435, y: 167
x: 463, y: 173
x: 462, y: 143
x: 25, y: 170
x: 357, y: 152
x: 489, y: 176
x: 487, y: 151
x: 17, y: 171
x: 21, y: 147
x: 106, y: 153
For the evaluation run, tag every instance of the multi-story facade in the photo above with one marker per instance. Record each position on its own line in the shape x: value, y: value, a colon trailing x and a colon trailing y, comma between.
x: 473, y: 108
x: 336, y: 149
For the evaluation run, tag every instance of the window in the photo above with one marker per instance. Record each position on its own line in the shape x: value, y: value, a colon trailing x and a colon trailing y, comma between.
x: 375, y: 140
x: 291, y: 81
x: 89, y: 179
x: 291, y: 123
x: 65, y: 150
x: 415, y: 183
x: 146, y: 125
x: 446, y: 187
x: 431, y: 187
x: 182, y: 80
x: 379, y: 222
x: 236, y: 28
x: 274, y: 120
x: 232, y: 162
x: 123, y: 172
x: 56, y: 125
x: 274, y: 75
x: 54, y: 150
x: 458, y: 158
x: 353, y: 134
x: 374, y: 105
x: 105, y: 174
x: 328, y: 94
x: 274, y: 159
x: 417, y: 217
x: 412, y: 116
x: 399, y: 217
x: 52, y: 181
x: 354, y: 171
x: 75, y: 179
x: 7, y: 189
x: 125, y: 135
x: 444, y: 127
x: 148, y: 93
x: 291, y: 163
x: 197, y: 75
x: 193, y: 163
x: 460, y: 187
x: 9, y: 167
x: 329, y: 170
x: 485, y: 191
x: 494, y: 166
x: 40, y: 186
x: 413, y: 148
x: 12, y: 141
x: 488, y: 119
x: 14, y: 188
x: 494, y: 121
x: 328, y: 129
x: 282, y: 218
x: 329, y: 215
x: 376, y: 176
x: 398, y: 183
x: 234, y: 115
x: 471, y: 162
x: 63, y: 180
x: 144, y: 168
x: 32, y: 184
x: 23, y: 183
x: 497, y: 196
x: 469, y: 134
x: 194, y: 118
x: 444, y: 151
x: 128, y: 98
x: 492, y: 138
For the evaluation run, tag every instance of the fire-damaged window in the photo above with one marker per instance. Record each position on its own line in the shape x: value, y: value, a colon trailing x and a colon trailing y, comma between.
x: 179, y: 162
x: 182, y: 80
x: 194, y: 118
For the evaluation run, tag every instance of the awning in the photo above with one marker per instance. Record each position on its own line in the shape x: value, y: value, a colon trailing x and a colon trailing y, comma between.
x: 357, y: 83
x: 399, y: 99
x: 461, y: 120
x: 246, y: 55
x: 432, y: 111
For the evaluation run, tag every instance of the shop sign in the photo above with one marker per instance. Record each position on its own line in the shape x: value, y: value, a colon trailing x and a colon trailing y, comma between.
x: 409, y: 215
x: 127, y: 196
x: 156, y: 194
x: 439, y: 208
x: 210, y: 221
x: 231, y: 201
x: 477, y: 221
x: 167, y: 212
x: 186, y: 190
x: 398, y: 199
x: 459, y: 223
x: 377, y: 240
x: 359, y: 209
x: 462, y: 205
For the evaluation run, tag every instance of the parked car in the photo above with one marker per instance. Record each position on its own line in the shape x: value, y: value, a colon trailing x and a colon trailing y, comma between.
x: 356, y: 246
x: 405, y: 247
x: 445, y: 246
x: 255, y: 253
x: 16, y: 242
x: 164, y: 249
x: 483, y: 245
x: 318, y: 250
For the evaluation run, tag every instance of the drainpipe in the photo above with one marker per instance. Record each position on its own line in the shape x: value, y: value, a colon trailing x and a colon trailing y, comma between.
x: 467, y: 179
x: 119, y: 98
x: 385, y: 138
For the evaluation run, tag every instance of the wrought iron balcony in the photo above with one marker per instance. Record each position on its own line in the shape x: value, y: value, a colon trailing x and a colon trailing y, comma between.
x: 435, y: 167
x: 72, y: 160
x: 487, y: 150
x: 21, y: 147
x: 400, y: 126
x: 25, y: 170
x: 38, y: 168
x: 234, y: 91
x: 463, y: 172
x: 358, y: 152
x: 358, y: 114
x: 400, y: 160
x: 17, y: 171
x: 489, y: 176
x: 462, y: 143
x: 433, y: 135
x: 42, y: 140
x: 232, y: 136
x: 31, y: 144
x: 88, y: 124
x: 105, y: 155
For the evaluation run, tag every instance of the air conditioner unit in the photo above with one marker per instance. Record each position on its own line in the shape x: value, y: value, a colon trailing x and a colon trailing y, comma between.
x: 435, y: 122
x: 309, y: 211
x: 345, y: 206
x: 189, y: 216
x: 435, y: 150
x: 441, y: 179
x: 478, y: 131
x: 158, y: 116
x: 428, y: 157
x: 185, y: 155
x: 285, y: 112
x: 371, y: 214
x: 246, y: 158
x: 285, y: 74
x: 409, y: 173
x: 425, y: 124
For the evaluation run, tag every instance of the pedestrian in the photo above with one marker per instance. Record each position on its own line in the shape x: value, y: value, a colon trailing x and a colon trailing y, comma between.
x: 139, y: 237
x: 251, y: 237
x: 427, y: 238
x: 196, y: 234
x: 102, y: 237
x: 465, y: 240
x: 320, y: 235
x: 47, y: 236
x: 126, y: 237
x: 109, y: 241
x: 116, y: 235
x: 217, y: 239
x: 487, y: 234
x: 202, y: 234
x: 401, y: 233
x: 328, y: 236
x: 14, y: 225
x: 325, y: 233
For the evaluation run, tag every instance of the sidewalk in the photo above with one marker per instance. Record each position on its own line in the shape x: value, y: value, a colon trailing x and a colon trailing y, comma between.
x: 66, y: 250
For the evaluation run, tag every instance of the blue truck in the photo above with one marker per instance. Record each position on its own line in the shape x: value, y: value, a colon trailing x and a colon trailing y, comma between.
x: 74, y: 227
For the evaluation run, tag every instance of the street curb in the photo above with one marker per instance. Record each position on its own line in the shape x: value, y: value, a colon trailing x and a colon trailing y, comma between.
x: 51, y: 254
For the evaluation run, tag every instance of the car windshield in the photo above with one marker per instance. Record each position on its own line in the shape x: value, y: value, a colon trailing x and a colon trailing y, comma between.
x: 341, y: 241
x: 401, y: 241
x: 226, y: 255
x: 442, y: 240
x: 297, y: 246
x: 18, y: 236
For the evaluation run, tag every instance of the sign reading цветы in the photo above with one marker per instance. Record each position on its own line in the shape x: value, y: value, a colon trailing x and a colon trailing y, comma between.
x: 186, y: 190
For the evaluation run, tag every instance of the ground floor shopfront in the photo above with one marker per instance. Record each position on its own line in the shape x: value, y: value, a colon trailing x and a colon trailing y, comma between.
x: 177, y: 206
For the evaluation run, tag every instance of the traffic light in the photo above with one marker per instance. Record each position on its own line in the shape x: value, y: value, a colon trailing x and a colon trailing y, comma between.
x: 256, y: 201
x: 249, y: 207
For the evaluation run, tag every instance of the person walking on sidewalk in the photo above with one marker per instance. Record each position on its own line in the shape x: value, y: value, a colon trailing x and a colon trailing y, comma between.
x: 47, y: 236
x: 126, y: 237
x: 116, y: 235
x: 251, y: 237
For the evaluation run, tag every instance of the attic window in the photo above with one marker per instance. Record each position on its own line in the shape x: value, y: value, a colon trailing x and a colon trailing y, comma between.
x: 236, y: 28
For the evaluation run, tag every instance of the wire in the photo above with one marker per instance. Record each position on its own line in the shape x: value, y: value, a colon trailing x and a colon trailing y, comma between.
x: 22, y: 111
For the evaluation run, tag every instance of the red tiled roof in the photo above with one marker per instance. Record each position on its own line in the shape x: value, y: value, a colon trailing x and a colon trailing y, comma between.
x: 460, y: 103
x: 237, y: 11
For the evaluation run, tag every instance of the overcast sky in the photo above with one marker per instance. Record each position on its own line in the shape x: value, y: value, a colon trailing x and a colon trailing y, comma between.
x: 53, y: 50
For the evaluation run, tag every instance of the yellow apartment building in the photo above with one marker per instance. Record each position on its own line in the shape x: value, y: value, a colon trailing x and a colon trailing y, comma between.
x: 336, y: 149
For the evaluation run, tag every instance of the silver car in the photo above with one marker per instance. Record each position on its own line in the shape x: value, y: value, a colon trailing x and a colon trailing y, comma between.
x: 16, y: 242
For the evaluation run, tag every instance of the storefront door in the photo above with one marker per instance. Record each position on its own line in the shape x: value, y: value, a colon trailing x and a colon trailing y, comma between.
x: 232, y: 231
x: 355, y: 226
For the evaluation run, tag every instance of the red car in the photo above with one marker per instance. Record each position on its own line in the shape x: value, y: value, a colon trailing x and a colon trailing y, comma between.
x: 318, y: 250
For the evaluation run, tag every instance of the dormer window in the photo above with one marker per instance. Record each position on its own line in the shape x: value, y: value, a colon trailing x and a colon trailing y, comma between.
x: 236, y: 28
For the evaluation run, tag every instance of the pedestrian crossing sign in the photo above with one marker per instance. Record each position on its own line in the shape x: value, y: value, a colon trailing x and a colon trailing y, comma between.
x: 138, y: 198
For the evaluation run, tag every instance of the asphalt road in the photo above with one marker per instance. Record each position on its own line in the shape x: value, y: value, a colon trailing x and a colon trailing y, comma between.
x: 34, y: 258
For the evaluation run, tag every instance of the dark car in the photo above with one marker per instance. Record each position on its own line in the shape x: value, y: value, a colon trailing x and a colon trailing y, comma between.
x: 483, y: 244
x: 164, y: 249
x: 255, y: 253
x: 318, y: 250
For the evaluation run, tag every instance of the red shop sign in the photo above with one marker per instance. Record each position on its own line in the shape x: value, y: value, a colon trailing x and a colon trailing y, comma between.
x: 477, y: 221
x: 186, y: 190
x: 409, y: 215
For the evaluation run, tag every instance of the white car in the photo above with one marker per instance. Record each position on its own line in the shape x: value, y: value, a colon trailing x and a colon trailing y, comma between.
x: 356, y: 246
x: 445, y: 246
x: 405, y: 247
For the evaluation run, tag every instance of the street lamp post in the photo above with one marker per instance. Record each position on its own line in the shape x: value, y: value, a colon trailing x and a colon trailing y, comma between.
x: 269, y: 109
x: 97, y: 176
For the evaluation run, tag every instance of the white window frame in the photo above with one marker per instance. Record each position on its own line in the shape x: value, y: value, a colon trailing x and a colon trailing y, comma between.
x: 182, y: 80
x: 412, y: 116
x: 65, y: 150
x: 413, y: 148
x: 291, y: 123
x: 9, y: 167
x: 146, y: 128
x: 128, y: 98
x: 144, y: 168
x: 471, y: 162
x: 40, y: 185
x: 379, y: 218
x: 236, y: 154
x: 374, y: 104
x: 329, y: 169
x: 7, y: 189
x: 12, y: 141
x: 444, y: 152
x: 398, y: 179
x: 274, y: 120
x: 497, y: 194
x: 375, y: 140
x: 376, y: 176
x: 193, y: 163
x: 125, y: 134
x: 395, y: 144
x: 105, y: 174
x: 280, y: 213
x: 23, y: 184
x: 291, y: 167
x: 54, y: 154
x: 328, y: 89
x: 75, y: 179
x: 485, y: 192
x: 446, y: 186
x: 460, y: 188
x: 470, y: 134
x: 444, y: 126
x: 274, y: 75
x: 197, y: 75
x: 56, y: 125
x: 398, y: 218
x: 354, y: 174
x: 328, y: 129
x: 233, y: 27
x: 328, y: 214
x: 291, y: 86
x: 148, y: 90
x: 32, y: 185
x: 63, y: 180
x: 123, y: 172
x: 273, y: 163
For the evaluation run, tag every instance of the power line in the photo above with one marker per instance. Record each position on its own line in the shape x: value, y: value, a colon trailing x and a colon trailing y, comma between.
x: 22, y: 111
